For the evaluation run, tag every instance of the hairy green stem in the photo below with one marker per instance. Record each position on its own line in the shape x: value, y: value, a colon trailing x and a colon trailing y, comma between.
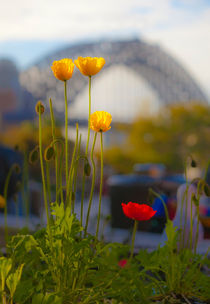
x: 24, y: 188
x: 60, y: 163
x: 42, y: 172
x: 66, y: 129
x: 5, y: 197
x: 75, y: 174
x: 206, y: 171
x: 86, y: 153
x: 197, y: 214
x: 48, y: 182
x: 93, y: 183
x: 101, y: 188
x: 162, y: 201
x: 88, y: 137
x: 56, y: 150
x: 182, y: 203
x: 133, y: 238
x: 70, y: 179
x: 191, y: 225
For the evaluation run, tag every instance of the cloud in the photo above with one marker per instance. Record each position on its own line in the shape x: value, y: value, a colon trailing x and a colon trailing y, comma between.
x: 181, y: 26
x: 64, y: 19
x: 190, y: 44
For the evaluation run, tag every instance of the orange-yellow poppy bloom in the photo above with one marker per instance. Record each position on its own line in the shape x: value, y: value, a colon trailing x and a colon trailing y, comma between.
x: 89, y: 66
x: 2, y: 201
x: 100, y: 121
x: 63, y: 69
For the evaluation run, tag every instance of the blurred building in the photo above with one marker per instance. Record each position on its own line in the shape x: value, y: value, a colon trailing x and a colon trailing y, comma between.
x: 16, y: 103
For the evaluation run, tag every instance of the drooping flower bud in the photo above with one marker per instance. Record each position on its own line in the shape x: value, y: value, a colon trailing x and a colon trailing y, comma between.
x: 193, y: 163
x: 206, y: 190
x: 195, y: 200
x: 49, y: 153
x: 39, y: 107
x: 18, y: 186
x: 87, y: 169
x: 34, y: 156
x: 17, y: 169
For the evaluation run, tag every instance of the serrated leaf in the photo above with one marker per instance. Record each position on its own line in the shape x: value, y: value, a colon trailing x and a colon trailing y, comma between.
x: 5, y: 267
x: 13, y: 280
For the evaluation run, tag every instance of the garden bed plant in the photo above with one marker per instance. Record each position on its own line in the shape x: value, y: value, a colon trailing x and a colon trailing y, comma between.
x: 63, y: 262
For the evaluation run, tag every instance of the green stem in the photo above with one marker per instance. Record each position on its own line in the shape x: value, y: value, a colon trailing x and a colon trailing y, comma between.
x: 101, y: 188
x: 42, y: 172
x: 48, y: 181
x: 4, y: 298
x: 66, y: 128
x: 197, y: 214
x: 197, y: 229
x: 5, y: 197
x: 88, y: 137
x: 16, y: 214
x: 93, y: 183
x: 60, y: 162
x: 56, y: 150
x: 86, y: 153
x: 206, y: 171
x: 162, y: 201
x: 133, y: 238
x: 24, y: 188
x: 191, y: 225
x: 185, y: 215
x: 76, y: 171
x: 70, y: 179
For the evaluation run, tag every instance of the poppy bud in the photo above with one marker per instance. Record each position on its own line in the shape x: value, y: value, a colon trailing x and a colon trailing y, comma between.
x: 193, y: 163
x: 18, y: 186
x: 39, y: 107
x: 195, y: 200
x: 73, y: 196
x: 49, y: 153
x: 34, y: 156
x: 16, y: 148
x: 87, y: 169
x: 17, y: 169
x: 206, y: 190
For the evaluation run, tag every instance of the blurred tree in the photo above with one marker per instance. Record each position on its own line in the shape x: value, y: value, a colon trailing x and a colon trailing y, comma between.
x: 175, y: 132
x: 25, y: 135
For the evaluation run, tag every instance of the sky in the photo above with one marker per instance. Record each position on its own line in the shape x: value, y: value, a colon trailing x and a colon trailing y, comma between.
x: 31, y: 29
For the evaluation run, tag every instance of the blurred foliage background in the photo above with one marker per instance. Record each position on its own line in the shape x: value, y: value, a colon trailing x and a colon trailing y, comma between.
x: 168, y: 137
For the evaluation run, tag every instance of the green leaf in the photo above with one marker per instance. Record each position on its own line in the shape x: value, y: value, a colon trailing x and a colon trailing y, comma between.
x: 46, y: 299
x: 171, y: 233
x: 13, y: 280
x: 5, y: 266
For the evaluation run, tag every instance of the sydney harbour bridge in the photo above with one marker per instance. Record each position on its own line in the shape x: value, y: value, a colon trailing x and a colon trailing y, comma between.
x: 156, y: 70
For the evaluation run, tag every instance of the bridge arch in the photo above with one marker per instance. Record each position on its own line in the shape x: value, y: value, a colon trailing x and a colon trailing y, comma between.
x: 168, y: 80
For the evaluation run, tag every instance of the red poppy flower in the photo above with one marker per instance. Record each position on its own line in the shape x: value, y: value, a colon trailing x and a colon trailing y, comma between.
x: 122, y: 263
x: 138, y: 212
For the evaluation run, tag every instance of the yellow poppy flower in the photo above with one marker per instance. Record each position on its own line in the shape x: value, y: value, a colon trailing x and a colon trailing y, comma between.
x: 100, y: 121
x: 63, y: 69
x: 2, y: 201
x: 89, y: 66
